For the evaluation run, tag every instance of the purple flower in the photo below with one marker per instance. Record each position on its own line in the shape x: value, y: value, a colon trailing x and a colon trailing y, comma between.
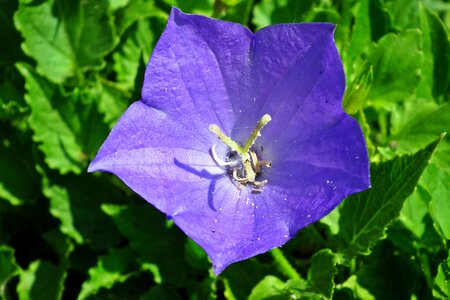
x: 240, y: 137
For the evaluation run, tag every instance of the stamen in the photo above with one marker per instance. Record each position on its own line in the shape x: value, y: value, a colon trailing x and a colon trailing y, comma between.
x: 264, y: 163
x: 251, y: 175
x: 237, y: 178
x: 257, y: 191
x: 260, y: 183
x: 255, y: 162
x: 250, y: 163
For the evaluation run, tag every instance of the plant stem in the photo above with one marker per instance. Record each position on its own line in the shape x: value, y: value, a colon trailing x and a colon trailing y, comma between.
x: 283, y: 264
x: 218, y: 9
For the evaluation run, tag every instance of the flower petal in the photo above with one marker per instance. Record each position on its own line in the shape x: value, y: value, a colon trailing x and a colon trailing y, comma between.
x: 316, y: 174
x: 242, y: 225
x: 297, y: 78
x: 196, y: 72
x: 157, y: 157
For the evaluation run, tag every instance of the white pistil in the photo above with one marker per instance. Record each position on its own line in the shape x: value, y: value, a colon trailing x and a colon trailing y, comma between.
x: 251, y: 166
x: 219, y: 161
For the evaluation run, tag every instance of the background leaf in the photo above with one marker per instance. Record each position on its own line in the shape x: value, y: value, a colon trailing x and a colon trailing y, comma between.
x: 396, y: 61
x: 58, y: 141
x: 144, y: 227
x: 42, y: 280
x: 70, y: 68
x: 365, y: 216
x: 65, y: 37
x: 115, y: 267
x: 8, y: 267
x: 416, y: 124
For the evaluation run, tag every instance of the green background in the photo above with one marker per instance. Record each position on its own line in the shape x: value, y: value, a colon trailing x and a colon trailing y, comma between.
x: 69, y: 69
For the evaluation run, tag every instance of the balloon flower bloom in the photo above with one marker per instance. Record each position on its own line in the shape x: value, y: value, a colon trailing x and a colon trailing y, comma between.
x: 239, y: 137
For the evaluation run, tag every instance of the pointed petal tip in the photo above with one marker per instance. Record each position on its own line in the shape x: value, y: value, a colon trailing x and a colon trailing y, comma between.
x: 219, y: 265
x: 217, y: 269
x: 93, y: 166
x: 175, y: 11
x: 177, y: 14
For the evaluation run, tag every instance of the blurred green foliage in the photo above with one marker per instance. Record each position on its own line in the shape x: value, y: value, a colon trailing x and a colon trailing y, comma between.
x: 68, y: 70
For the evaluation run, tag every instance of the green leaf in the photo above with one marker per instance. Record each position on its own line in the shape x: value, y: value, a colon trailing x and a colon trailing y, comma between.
x: 65, y: 37
x: 240, y: 278
x: 60, y: 209
x: 437, y: 184
x: 358, y: 292
x: 9, y: 54
x: 268, y: 287
x: 60, y: 243
x: 135, y: 11
x: 232, y: 2
x: 8, y: 266
x: 269, y: 12
x: 42, y: 280
x: 149, y: 237
x: 320, y: 284
x: 67, y: 125
x: 81, y: 113
x: 75, y: 201
x: 19, y: 182
x: 396, y: 61
x: 112, y: 103
x: 115, y: 267
x: 332, y: 221
x: 390, y: 274
x: 360, y: 39
x: 238, y: 11
x: 117, y: 4
x: 195, y: 256
x: 56, y: 139
x: 321, y: 274
x: 12, y: 105
x: 160, y: 293
x: 436, y: 46
x: 442, y: 281
x: 416, y: 124
x: 274, y: 288
x: 136, y: 46
x: 405, y: 13
x: 380, y: 19
x: 365, y: 216
x: 414, y: 212
x: 206, y: 289
x: 202, y: 7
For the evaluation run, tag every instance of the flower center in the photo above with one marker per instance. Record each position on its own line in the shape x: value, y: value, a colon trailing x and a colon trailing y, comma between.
x: 244, y: 169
